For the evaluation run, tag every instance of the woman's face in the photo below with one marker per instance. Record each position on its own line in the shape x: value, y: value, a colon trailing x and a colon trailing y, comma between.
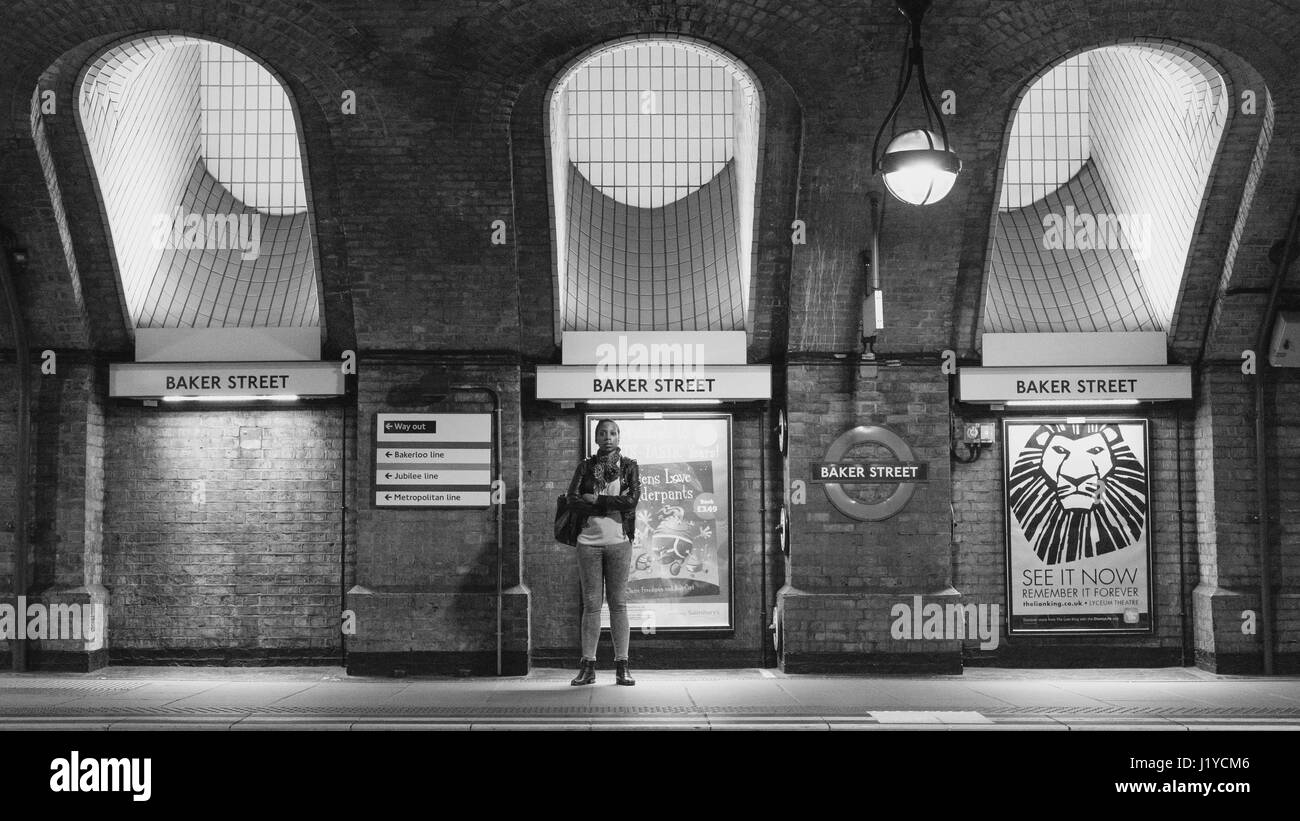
x: 606, y: 435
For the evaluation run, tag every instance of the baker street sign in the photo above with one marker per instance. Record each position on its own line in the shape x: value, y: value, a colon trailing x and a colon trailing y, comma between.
x: 903, y: 471
x: 869, y: 472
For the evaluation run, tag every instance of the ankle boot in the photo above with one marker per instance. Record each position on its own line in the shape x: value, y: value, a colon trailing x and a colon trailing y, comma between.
x: 621, y: 675
x: 586, y: 673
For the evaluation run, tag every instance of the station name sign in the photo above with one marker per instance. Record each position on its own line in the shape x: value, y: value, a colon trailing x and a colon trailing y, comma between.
x: 654, y: 366
x: 1143, y: 383
x: 869, y: 472
x: 154, y: 380
x: 653, y: 382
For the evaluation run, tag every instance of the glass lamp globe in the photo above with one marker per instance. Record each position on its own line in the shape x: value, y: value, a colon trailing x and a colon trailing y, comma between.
x: 918, y: 167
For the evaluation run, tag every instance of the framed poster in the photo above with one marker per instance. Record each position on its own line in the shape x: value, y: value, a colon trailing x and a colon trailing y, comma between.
x: 1078, y: 515
x: 681, y: 577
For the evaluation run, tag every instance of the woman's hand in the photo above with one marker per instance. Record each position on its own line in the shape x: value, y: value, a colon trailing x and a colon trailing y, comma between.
x: 589, y: 498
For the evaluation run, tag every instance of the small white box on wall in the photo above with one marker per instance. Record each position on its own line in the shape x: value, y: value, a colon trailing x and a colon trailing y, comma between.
x: 1284, y: 351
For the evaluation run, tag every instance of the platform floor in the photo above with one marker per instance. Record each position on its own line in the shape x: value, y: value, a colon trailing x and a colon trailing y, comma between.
x: 206, y: 698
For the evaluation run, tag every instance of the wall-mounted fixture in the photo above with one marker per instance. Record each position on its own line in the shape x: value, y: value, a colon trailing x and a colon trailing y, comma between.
x: 974, y: 437
x: 873, y: 300
x: 1284, y: 352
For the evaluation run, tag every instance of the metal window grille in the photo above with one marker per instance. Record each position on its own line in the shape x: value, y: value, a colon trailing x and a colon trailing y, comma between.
x: 651, y: 223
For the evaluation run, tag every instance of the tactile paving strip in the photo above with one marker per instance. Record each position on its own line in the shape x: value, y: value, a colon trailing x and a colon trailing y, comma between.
x: 64, y: 690
x: 1164, y: 710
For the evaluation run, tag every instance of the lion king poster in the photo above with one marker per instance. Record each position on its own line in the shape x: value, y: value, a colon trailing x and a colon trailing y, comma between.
x: 1078, y: 525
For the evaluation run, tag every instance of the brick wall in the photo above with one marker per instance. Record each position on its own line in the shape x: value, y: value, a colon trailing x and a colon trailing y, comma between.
x: 440, y: 548
x: 1226, y: 522
x: 846, y: 576
x: 425, y: 594
x: 447, y: 138
x: 1285, y: 477
x: 68, y: 455
x: 8, y: 447
x: 1228, y: 529
x: 1225, y: 462
x: 907, y: 552
x: 1284, y: 482
x: 438, y: 130
x: 223, y: 534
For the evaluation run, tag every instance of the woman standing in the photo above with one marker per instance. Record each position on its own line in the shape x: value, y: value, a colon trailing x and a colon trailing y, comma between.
x: 605, y: 490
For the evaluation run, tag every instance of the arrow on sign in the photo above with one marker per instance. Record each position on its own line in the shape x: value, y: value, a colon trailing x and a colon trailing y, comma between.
x: 388, y: 497
x: 389, y: 454
x: 388, y: 475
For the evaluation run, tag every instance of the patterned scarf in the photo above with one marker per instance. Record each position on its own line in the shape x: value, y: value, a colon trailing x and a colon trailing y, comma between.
x: 606, y: 466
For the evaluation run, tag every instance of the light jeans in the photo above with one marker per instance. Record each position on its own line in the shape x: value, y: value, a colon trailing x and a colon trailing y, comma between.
x: 604, y: 566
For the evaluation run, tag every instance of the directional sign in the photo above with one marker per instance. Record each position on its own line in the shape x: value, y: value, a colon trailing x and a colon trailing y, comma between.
x: 406, y: 457
x: 433, y: 459
x: 443, y: 498
x: 446, y: 428
x: 433, y: 477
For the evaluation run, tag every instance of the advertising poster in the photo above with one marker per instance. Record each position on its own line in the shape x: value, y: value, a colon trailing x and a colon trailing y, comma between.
x: 1078, y: 525
x: 681, y: 556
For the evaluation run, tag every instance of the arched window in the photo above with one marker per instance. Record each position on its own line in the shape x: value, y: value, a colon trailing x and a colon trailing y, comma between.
x: 1102, y: 182
x: 654, y: 156
x: 196, y: 151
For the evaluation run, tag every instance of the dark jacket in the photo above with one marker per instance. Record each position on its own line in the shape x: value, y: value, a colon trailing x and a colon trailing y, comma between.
x: 629, y: 482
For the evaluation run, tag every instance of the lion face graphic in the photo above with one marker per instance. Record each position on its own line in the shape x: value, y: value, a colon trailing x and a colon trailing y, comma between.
x: 1077, y: 468
x: 1078, y: 491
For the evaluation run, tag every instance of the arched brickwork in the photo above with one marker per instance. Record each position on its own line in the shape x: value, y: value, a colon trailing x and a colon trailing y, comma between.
x: 316, y: 55
x: 1207, y: 260
x: 1048, y: 32
x: 778, y: 170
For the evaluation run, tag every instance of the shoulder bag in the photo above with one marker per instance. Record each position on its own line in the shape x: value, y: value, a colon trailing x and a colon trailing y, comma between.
x: 568, y: 522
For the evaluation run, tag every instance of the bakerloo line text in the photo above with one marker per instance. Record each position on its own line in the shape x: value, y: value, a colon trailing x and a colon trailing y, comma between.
x: 658, y: 385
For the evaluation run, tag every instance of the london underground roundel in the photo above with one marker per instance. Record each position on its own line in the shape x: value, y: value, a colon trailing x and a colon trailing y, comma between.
x: 856, y: 508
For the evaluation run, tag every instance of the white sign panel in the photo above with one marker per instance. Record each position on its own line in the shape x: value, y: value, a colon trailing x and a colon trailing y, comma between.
x: 1046, y: 350
x: 227, y: 344
x: 157, y: 380
x: 1075, y: 384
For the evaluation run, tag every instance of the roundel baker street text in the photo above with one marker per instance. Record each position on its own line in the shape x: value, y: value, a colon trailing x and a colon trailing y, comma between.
x: 834, y: 473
